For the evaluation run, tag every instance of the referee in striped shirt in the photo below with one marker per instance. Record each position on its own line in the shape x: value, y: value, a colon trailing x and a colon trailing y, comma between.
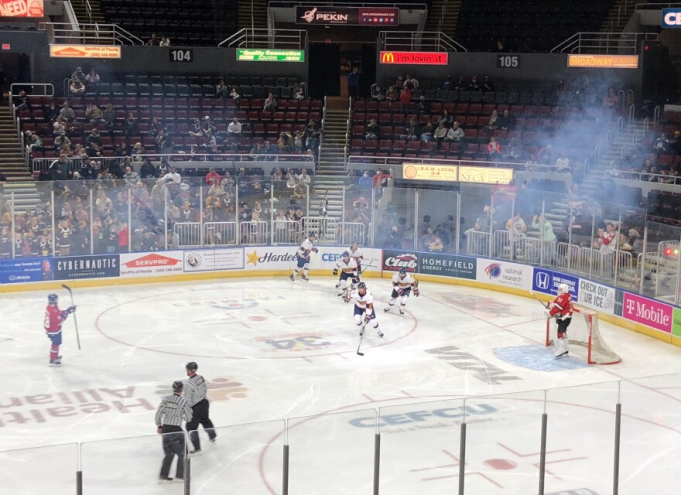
x: 195, y: 395
x: 169, y: 416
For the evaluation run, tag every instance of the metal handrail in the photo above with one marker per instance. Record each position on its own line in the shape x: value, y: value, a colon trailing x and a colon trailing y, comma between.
x: 639, y: 176
x: 592, y: 42
x: 409, y: 6
x: 87, y: 33
x: 656, y: 6
x: 348, y: 127
x: 295, y: 39
x: 632, y: 113
x: 646, y: 124
x: 656, y: 114
x: 419, y: 41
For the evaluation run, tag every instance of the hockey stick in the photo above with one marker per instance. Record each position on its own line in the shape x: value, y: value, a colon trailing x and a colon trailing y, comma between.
x: 539, y: 300
x: 361, y: 338
x: 75, y: 320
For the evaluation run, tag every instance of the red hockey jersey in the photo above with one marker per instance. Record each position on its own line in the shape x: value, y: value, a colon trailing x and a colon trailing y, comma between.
x: 54, y: 317
x: 561, y: 305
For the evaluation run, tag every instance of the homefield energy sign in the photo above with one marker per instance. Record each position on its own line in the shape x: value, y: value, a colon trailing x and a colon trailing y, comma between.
x: 253, y: 55
x: 414, y: 58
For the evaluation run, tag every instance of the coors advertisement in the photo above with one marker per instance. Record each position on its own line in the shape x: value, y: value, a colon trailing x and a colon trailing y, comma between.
x: 394, y: 260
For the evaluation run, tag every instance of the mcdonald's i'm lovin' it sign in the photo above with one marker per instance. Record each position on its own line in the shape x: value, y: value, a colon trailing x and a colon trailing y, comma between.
x: 415, y: 58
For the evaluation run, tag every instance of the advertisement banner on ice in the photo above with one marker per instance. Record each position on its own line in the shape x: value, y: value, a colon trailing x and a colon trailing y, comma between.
x: 328, y: 256
x: 26, y: 270
x: 151, y: 264
x: 504, y: 273
x: 79, y: 267
x: 547, y: 282
x: 597, y: 296
x: 648, y: 312
x: 213, y: 260
x: 394, y: 260
x: 270, y: 257
x: 448, y: 265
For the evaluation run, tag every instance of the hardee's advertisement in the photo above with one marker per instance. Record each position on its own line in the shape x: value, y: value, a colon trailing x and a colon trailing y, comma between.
x: 84, y: 51
x: 603, y: 61
x: 414, y: 58
x: 22, y: 8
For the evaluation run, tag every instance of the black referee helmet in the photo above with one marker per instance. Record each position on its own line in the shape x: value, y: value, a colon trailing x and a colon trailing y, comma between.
x: 177, y: 386
x: 192, y: 366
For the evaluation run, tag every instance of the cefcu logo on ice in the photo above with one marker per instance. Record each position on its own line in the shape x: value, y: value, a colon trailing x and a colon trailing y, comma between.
x: 443, y: 417
x: 547, y: 282
x: 671, y: 18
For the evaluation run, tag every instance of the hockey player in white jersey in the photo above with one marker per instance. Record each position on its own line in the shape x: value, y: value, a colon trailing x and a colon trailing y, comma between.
x: 348, y: 270
x: 357, y: 255
x: 303, y: 257
x: 403, y: 285
x: 364, y: 308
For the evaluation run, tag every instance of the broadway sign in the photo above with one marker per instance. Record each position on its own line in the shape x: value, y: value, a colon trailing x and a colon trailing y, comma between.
x: 348, y: 16
x: 447, y: 265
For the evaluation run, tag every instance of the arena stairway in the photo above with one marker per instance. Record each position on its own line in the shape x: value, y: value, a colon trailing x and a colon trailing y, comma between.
x: 444, y: 16
x: 80, y: 9
x: 13, y: 165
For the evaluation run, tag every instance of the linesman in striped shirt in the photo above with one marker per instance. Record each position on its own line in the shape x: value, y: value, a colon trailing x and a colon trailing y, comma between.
x: 195, y: 395
x: 172, y: 411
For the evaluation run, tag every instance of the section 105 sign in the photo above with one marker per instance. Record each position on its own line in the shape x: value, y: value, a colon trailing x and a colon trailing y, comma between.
x: 414, y: 58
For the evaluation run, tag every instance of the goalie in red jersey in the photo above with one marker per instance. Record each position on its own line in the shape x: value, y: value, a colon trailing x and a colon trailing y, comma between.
x: 54, y: 317
x: 561, y: 309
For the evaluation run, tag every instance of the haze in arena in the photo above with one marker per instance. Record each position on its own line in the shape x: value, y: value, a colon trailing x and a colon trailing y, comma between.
x: 280, y: 248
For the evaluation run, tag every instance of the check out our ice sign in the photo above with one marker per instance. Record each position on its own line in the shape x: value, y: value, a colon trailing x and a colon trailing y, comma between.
x: 22, y: 8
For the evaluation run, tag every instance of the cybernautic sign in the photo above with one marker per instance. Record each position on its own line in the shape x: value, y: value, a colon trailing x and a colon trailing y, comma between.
x: 414, y: 58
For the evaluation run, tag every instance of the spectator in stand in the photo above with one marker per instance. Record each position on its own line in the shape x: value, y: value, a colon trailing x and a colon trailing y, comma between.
x: 380, y: 179
x: 607, y: 243
x: 62, y: 142
x: 304, y: 176
x: 661, y: 145
x: 79, y: 74
x: 493, y: 149
x: 122, y: 149
x: 208, y: 124
x: 461, y: 84
x: 165, y: 144
x: 172, y: 177
x: 377, y: 93
x: 93, y: 137
x: 562, y: 162
x: 424, y: 106
x: 22, y: 102
x: 399, y: 82
x: 234, y: 94
x: 94, y: 150
x: 36, y: 143
x: 611, y: 100
x: 92, y: 79
x: 148, y: 170
x: 270, y: 103
x: 412, y: 131
x: 440, y: 133
x: 431, y: 241
x: 372, y: 130
x: 516, y: 228
x: 165, y: 41
x: 300, y: 189
x: 365, y: 182
x: 410, y: 83
x: 446, y: 119
x: 109, y: 117
x: 212, y: 177
x: 221, y: 90
x: 506, y: 122
x: 67, y: 113
x: 51, y: 112
x: 474, y: 85
x: 405, y: 99
x: 137, y: 151
x: 545, y: 227
x: 312, y: 133
x: 487, y: 85
x: 391, y: 94
x: 59, y: 169
x: 211, y: 143
x: 493, y: 122
x: 299, y: 93
x: 427, y: 132
x: 155, y: 126
x: 131, y: 127
x: 298, y: 137
x: 448, y: 84
x: 154, y: 40
x: 353, y: 83
x: 455, y: 134
x: 94, y: 114
x: 76, y: 87
x: 513, y: 151
x: 234, y: 128
x: 257, y: 152
x: 131, y: 177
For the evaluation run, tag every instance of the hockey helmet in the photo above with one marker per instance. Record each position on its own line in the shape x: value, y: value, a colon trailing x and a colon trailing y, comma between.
x: 403, y: 272
x: 345, y: 254
x: 312, y: 235
x: 563, y: 289
x: 361, y: 285
x: 177, y: 386
x: 52, y: 298
x: 192, y: 366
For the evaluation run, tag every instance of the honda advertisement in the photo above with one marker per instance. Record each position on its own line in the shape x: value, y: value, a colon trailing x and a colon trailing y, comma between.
x: 547, y: 282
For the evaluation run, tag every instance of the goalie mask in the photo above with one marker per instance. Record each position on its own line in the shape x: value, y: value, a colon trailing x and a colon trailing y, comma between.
x: 563, y: 289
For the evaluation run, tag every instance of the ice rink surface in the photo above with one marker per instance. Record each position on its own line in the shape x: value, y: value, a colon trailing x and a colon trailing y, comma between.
x: 272, y: 350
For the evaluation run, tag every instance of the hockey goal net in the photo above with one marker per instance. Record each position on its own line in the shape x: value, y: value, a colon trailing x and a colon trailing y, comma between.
x: 584, y: 331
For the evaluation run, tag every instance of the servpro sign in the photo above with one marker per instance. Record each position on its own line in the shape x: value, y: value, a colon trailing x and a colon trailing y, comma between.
x: 22, y: 8
x: 414, y: 58
x: 85, y: 51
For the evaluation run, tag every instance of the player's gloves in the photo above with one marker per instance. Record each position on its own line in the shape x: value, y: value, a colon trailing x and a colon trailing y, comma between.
x: 355, y: 280
x: 316, y: 250
x: 367, y: 318
x: 47, y: 335
x: 71, y: 309
x: 346, y: 298
x: 400, y: 292
x: 547, y: 312
x: 416, y: 292
x: 335, y: 272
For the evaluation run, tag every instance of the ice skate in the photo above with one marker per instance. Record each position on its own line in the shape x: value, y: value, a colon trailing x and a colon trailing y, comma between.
x: 55, y: 363
x: 164, y: 479
x: 304, y: 277
x: 401, y: 311
x: 195, y: 453
x: 292, y: 278
x: 380, y: 334
x: 386, y: 309
x: 337, y: 285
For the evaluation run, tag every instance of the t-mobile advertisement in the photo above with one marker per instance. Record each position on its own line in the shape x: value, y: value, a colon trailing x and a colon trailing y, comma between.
x: 648, y: 312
